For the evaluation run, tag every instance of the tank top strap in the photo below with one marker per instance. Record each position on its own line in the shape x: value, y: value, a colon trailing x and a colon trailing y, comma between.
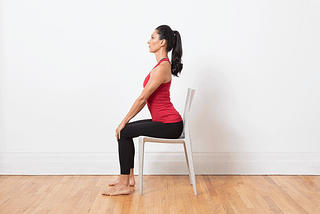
x: 164, y: 59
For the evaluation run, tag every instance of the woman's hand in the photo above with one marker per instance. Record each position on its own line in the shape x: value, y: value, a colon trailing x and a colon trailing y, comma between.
x: 118, y: 130
x: 159, y: 75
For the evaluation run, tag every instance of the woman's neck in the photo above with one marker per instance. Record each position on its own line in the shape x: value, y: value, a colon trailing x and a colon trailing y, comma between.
x: 160, y: 55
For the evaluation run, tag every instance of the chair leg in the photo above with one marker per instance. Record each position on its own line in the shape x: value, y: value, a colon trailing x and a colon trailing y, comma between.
x: 141, y: 158
x: 186, y: 154
x: 190, y: 157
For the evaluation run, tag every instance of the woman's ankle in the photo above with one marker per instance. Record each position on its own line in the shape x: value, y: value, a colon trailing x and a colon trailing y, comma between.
x: 124, y: 179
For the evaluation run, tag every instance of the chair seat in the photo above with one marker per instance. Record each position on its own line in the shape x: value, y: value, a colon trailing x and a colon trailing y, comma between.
x: 162, y: 140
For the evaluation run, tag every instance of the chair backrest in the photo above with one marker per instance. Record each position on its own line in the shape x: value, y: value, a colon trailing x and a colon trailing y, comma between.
x: 187, y: 106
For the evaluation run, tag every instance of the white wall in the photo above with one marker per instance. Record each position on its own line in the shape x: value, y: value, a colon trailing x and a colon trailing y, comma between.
x: 70, y: 71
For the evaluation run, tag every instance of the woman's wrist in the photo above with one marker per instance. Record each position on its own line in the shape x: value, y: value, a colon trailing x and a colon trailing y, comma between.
x: 124, y: 122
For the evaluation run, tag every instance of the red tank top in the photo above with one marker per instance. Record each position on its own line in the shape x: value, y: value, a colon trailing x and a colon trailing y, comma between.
x: 159, y: 103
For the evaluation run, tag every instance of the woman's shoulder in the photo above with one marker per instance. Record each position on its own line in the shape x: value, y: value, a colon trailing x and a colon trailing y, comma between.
x: 162, y: 71
x: 163, y: 68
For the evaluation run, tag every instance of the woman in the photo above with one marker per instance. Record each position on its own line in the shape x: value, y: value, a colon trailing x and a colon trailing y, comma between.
x: 166, y: 122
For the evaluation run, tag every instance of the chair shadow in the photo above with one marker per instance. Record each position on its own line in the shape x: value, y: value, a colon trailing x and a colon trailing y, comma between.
x: 211, y: 120
x: 2, y: 133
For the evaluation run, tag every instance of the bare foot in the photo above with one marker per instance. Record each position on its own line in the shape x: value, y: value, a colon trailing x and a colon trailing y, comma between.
x: 131, y: 181
x: 117, y: 190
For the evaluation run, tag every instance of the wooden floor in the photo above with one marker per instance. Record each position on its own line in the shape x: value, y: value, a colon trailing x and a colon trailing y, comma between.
x: 162, y: 194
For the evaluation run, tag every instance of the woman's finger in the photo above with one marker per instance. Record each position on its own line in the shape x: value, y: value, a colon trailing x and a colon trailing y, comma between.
x: 118, y: 130
x: 117, y: 134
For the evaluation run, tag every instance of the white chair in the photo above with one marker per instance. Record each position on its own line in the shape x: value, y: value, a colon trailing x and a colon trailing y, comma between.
x: 184, y: 139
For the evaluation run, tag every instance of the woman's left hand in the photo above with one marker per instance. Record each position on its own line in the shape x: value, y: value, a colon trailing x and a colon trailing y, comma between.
x: 118, y: 130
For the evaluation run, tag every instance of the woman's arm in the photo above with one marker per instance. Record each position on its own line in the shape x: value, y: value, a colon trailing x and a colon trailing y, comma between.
x: 159, y: 75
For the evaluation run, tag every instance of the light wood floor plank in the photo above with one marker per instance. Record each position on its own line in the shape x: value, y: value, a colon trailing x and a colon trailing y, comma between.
x: 17, y: 195
x: 164, y: 195
x: 260, y: 194
x: 172, y: 202
x: 236, y: 201
x: 203, y: 191
x: 135, y: 197
x: 220, y: 185
x: 311, y: 196
x: 296, y: 195
x: 178, y: 194
x: 285, y: 198
x: 161, y: 194
x: 202, y: 200
x: 251, y: 196
x: 185, y: 192
x: 143, y: 201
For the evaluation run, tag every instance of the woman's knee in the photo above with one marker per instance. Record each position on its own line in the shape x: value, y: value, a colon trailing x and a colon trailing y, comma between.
x: 125, y: 136
x: 124, y: 133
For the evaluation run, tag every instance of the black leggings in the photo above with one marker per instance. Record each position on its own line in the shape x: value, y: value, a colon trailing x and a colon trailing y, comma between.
x: 144, y: 128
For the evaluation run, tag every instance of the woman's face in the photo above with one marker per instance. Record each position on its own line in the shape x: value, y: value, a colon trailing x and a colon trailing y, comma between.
x: 155, y: 43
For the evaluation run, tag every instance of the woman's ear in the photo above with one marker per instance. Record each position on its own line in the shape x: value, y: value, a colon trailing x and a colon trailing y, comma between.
x: 163, y: 43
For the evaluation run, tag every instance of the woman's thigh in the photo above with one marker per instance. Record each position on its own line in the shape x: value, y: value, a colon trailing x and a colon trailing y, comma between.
x: 151, y: 129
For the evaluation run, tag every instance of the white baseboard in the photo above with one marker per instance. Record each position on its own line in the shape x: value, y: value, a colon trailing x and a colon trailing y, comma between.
x: 27, y: 163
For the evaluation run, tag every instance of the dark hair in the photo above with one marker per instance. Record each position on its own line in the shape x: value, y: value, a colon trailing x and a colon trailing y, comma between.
x: 173, y: 39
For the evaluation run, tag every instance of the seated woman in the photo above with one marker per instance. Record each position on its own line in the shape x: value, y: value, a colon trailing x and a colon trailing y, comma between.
x: 166, y: 121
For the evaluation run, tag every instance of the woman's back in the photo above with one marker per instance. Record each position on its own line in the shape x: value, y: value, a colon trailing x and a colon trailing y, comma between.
x: 159, y: 103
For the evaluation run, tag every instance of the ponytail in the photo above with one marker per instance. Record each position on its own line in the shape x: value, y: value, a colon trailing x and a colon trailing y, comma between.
x: 176, y: 55
x: 173, y: 39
